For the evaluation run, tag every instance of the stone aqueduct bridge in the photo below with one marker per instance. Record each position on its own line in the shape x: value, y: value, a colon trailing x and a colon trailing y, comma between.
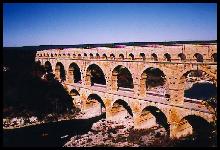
x: 175, y: 62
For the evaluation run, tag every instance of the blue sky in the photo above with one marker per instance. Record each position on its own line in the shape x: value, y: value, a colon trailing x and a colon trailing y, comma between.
x: 48, y: 23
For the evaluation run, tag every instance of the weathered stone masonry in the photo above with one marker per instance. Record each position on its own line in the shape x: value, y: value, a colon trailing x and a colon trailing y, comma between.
x: 175, y: 62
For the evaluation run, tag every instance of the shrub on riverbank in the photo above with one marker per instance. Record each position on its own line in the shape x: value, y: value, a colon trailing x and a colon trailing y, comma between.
x: 26, y: 95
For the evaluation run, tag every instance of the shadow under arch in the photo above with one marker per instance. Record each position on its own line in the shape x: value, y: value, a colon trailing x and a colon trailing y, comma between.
x: 204, y: 91
x: 74, y: 92
x: 95, y: 105
x: 198, y: 84
x: 167, y: 57
x: 60, y: 71
x: 96, y: 97
x: 201, y: 128
x: 124, y: 104
x: 48, y: 67
x: 94, y: 74
x: 161, y: 118
x: 74, y: 73
x: 152, y: 78
x: 199, y: 57
x: 123, y: 77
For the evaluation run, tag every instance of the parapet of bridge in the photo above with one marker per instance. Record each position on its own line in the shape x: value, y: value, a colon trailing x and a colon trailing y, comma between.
x: 174, y: 61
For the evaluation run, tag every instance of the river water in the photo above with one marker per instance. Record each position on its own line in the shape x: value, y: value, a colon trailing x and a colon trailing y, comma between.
x: 49, y: 134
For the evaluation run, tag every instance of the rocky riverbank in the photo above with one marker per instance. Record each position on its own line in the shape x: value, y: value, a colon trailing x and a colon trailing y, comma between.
x: 19, y: 122
x: 107, y: 133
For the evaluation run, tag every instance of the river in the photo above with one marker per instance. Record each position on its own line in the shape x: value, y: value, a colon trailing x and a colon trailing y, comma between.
x: 49, y: 134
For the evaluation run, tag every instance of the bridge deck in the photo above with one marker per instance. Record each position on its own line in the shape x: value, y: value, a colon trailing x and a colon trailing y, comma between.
x: 193, y: 104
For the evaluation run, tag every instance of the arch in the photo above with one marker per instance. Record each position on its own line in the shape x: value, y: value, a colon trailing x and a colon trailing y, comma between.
x: 193, y: 76
x: 55, y: 54
x: 59, y: 55
x: 79, y: 56
x: 151, y: 78
x: 154, y: 57
x: 121, y: 56
x: 38, y: 62
x: 74, y: 55
x: 48, y: 67
x: 94, y: 74
x: 188, y: 74
x: 91, y: 56
x: 95, y: 105
x: 85, y: 55
x: 119, y: 107
x: 97, y: 98
x: 167, y: 57
x: 68, y: 54
x: 199, y: 57
x: 74, y: 92
x: 131, y: 56
x: 104, y: 56
x: 64, y: 54
x: 182, y: 56
x: 121, y: 77
x: 97, y: 56
x: 60, y: 71
x: 51, y: 55
x: 76, y: 98
x: 152, y: 113
x: 142, y: 55
x: 74, y: 74
x: 194, y: 125
x: 112, y: 56
x: 214, y: 57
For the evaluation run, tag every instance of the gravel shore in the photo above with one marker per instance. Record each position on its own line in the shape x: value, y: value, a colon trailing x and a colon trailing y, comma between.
x: 108, y: 133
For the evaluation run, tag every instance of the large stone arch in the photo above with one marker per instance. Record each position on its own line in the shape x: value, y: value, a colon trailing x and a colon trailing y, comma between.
x: 98, y: 64
x: 182, y: 76
x: 209, y: 117
x: 48, y: 67
x: 192, y: 124
x: 74, y: 93
x: 60, y: 72
x: 120, y: 110
x: 154, y: 65
x: 117, y: 78
x: 74, y: 73
x: 90, y: 74
x: 143, y: 78
x: 113, y: 65
x: 151, y: 116
x: 94, y: 105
